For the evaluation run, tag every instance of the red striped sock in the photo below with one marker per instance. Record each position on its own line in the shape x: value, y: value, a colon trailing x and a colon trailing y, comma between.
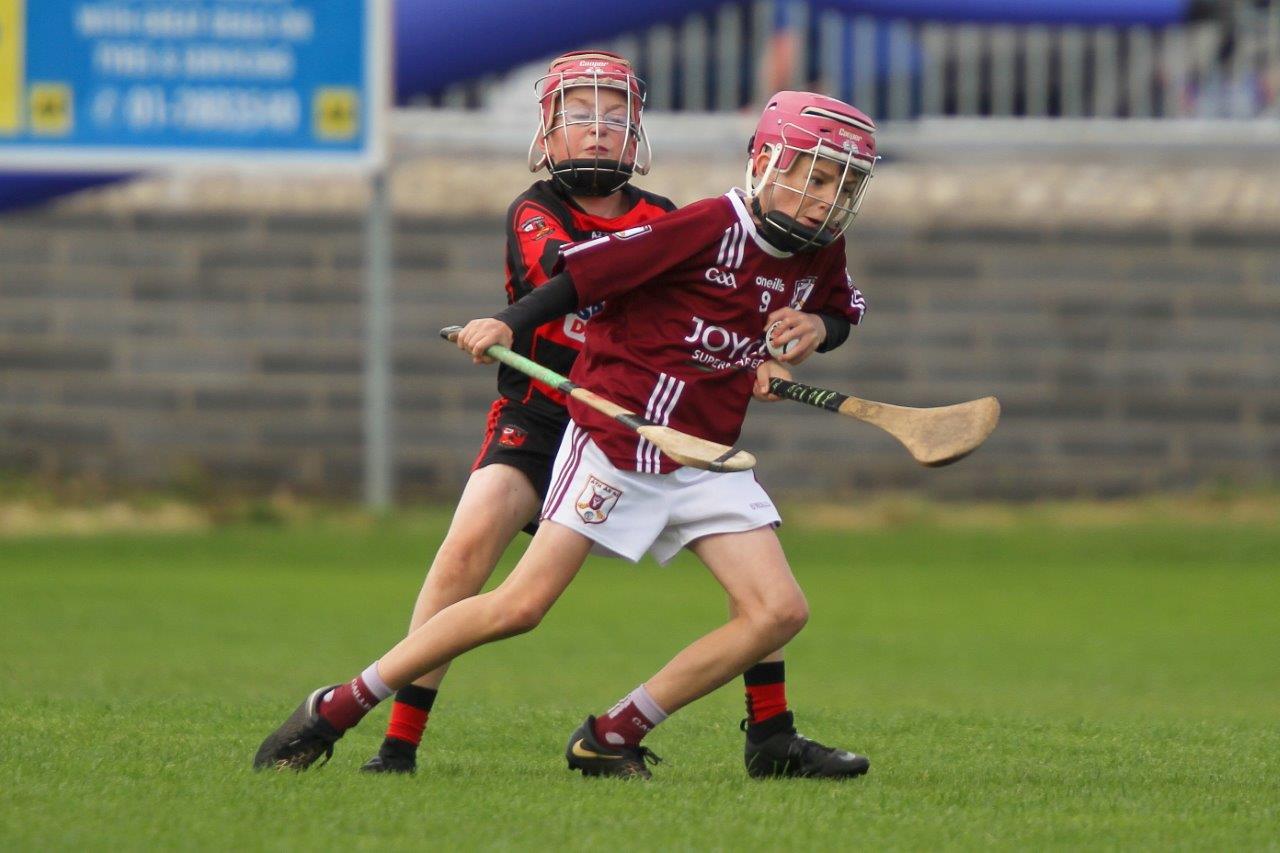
x: 766, y: 685
x: 410, y: 713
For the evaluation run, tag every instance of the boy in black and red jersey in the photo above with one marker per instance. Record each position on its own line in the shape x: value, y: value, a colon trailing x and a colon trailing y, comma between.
x: 687, y: 299
x: 591, y: 140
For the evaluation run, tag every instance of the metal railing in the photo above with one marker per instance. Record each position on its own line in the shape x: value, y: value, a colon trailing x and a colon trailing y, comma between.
x: 1224, y: 67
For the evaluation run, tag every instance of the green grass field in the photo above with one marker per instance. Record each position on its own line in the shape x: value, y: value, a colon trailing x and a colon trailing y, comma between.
x: 1019, y: 686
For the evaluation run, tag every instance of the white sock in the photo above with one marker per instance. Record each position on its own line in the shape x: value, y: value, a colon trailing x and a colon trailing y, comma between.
x: 632, y: 718
x: 647, y: 706
x: 374, y: 682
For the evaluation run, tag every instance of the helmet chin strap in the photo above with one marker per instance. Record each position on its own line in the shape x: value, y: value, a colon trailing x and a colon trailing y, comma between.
x: 591, y: 176
x: 786, y: 234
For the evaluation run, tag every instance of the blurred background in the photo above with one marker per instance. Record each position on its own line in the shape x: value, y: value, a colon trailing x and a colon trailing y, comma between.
x: 1078, y: 211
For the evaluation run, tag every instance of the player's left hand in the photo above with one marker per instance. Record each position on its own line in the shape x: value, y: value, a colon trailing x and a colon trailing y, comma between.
x: 769, y: 369
x: 807, y: 329
x: 478, y: 335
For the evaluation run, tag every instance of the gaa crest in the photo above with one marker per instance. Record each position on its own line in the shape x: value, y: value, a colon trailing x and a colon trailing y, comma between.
x: 803, y: 288
x: 596, y: 500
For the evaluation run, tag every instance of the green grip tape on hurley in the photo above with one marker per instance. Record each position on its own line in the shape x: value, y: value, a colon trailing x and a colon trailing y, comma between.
x: 526, y: 366
x: 529, y: 367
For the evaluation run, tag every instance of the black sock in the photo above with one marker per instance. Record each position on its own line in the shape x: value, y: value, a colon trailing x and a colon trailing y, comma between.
x: 417, y: 697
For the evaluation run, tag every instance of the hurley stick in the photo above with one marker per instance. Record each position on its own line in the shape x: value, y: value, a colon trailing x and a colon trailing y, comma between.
x: 682, y: 447
x: 934, y: 437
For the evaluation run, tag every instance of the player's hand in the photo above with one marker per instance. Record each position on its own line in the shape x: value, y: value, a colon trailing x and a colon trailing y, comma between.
x: 795, y: 325
x: 768, y: 370
x: 478, y: 335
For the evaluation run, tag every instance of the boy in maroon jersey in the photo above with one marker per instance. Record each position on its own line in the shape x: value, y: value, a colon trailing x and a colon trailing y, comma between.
x: 688, y: 297
x: 591, y: 140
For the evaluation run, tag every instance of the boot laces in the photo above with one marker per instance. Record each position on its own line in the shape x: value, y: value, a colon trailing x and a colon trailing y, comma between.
x: 810, y: 749
x: 647, y: 755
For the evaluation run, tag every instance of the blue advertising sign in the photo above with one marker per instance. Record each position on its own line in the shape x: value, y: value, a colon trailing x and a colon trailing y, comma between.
x: 112, y: 84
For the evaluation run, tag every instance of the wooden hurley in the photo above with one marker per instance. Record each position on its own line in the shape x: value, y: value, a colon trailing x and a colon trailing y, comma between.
x: 934, y: 437
x: 681, y: 447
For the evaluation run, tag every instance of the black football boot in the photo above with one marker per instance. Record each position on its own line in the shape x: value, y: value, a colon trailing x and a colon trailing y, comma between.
x: 301, y: 739
x: 593, y: 758
x: 774, y: 748
x: 394, y: 756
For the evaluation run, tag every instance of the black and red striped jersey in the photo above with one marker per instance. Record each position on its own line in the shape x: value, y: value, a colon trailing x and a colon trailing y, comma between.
x: 540, y: 222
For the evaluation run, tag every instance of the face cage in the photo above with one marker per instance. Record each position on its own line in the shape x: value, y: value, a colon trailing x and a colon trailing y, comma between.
x: 593, y: 176
x: 786, y: 232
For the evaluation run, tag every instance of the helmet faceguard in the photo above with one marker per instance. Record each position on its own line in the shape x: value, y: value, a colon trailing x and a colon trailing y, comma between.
x: 821, y: 154
x: 570, y: 96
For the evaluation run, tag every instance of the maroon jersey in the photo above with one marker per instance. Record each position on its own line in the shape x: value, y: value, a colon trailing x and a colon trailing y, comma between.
x: 540, y: 222
x: 682, y: 330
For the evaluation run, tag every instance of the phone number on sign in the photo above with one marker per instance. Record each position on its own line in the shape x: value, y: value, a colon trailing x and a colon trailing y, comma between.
x: 218, y: 109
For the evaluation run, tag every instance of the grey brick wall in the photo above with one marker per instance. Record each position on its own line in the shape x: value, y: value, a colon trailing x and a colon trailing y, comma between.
x: 145, y: 348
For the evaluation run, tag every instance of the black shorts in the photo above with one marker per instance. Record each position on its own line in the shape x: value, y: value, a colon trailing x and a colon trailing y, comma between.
x: 525, y: 439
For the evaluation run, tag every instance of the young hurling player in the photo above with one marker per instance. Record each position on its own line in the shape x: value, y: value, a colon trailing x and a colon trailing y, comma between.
x: 708, y: 279
x: 591, y: 140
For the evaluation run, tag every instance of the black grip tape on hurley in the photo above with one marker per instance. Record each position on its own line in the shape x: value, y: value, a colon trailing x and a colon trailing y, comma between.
x: 819, y: 397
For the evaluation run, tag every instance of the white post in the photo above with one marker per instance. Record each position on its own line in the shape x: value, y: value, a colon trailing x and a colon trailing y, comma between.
x: 379, y: 485
x: 1141, y: 72
x: 662, y: 57
x: 1003, y: 47
x: 1174, y: 56
x: 865, y: 65
x: 728, y: 58
x: 902, y: 42
x: 694, y: 40
x: 933, y: 94
x: 832, y: 48
x: 1071, y: 76
x: 1106, y: 73
x: 1036, y: 52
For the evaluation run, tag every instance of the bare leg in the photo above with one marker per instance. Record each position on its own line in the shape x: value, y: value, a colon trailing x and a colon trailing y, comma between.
x: 496, y: 503
x: 768, y: 609
x: 516, y: 606
x: 774, y: 657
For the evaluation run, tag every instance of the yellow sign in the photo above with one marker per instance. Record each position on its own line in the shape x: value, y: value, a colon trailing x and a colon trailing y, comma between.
x: 51, y: 109
x: 12, y: 51
x: 336, y: 113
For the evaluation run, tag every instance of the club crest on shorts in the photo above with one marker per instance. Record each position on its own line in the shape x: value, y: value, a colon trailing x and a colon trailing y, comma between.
x: 596, y: 500
x: 512, y: 436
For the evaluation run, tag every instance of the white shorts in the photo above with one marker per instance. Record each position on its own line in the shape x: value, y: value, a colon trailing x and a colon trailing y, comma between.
x: 627, y: 513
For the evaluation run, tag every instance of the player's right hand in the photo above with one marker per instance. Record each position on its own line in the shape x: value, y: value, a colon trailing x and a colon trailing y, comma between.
x: 478, y: 335
x: 767, y: 370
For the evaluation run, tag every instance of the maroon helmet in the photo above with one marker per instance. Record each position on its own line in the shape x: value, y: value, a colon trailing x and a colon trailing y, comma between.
x: 591, y: 71
x: 837, y: 140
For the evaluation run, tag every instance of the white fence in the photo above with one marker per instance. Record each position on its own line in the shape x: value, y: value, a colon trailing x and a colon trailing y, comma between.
x: 1224, y: 67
